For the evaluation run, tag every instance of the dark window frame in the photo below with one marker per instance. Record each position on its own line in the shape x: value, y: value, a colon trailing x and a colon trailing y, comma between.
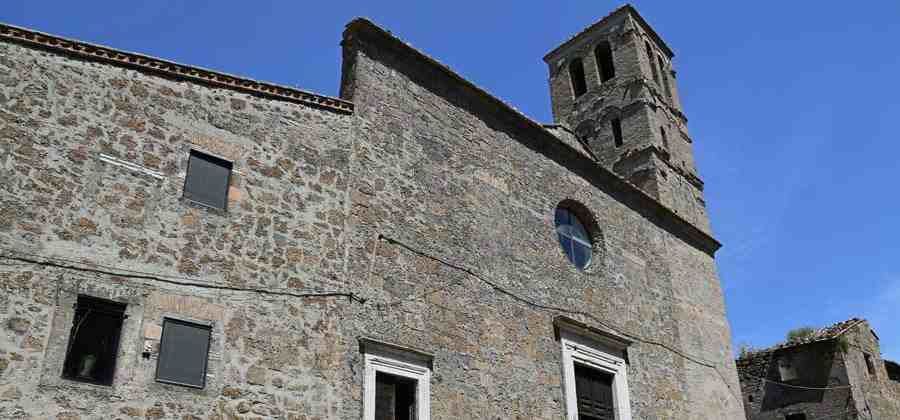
x: 650, y: 58
x: 190, y: 195
x: 594, y: 408
x: 665, y: 138
x: 162, y: 349
x: 405, y: 396
x: 603, y: 56
x: 665, y: 79
x: 616, y: 125
x: 577, y: 77
x: 85, y: 305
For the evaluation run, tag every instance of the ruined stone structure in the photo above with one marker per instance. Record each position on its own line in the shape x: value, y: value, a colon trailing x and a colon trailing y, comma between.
x: 181, y: 243
x: 837, y: 373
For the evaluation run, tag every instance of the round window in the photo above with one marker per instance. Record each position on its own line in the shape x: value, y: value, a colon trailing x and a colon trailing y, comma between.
x: 573, y: 238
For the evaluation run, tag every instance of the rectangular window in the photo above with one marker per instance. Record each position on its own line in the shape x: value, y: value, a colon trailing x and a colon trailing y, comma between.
x: 617, y: 131
x: 395, y: 397
x: 576, y: 74
x: 651, y: 62
x: 870, y: 365
x: 786, y: 370
x: 603, y: 56
x: 665, y: 79
x: 207, y: 180
x: 595, y: 395
x: 94, y: 341
x: 397, y: 384
x: 595, y: 381
x: 665, y: 140
x: 183, y: 353
x: 795, y: 416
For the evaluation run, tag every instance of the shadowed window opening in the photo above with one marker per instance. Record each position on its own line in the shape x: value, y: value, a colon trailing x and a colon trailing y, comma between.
x: 207, y: 180
x: 652, y: 62
x: 893, y: 370
x: 604, y: 58
x: 183, y: 353
x: 786, y: 370
x: 573, y: 238
x: 594, y: 390
x: 576, y: 73
x: 616, y: 125
x: 94, y: 341
x: 665, y: 140
x: 870, y: 365
x: 395, y: 397
x: 795, y: 416
x: 665, y: 79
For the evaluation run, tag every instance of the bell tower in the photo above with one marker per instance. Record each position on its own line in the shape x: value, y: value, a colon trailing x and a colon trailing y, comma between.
x: 614, y: 86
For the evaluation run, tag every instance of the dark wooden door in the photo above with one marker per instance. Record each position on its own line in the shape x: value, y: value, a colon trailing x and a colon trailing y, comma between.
x: 595, y: 395
x: 395, y: 397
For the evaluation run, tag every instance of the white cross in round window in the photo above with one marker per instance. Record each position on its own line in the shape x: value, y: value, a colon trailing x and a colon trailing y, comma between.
x: 573, y: 238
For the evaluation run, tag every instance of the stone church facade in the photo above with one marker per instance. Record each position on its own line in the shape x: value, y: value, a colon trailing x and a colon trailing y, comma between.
x: 182, y: 243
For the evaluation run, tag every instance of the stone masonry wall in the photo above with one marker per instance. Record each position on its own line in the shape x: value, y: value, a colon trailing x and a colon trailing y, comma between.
x: 450, y: 175
x: 836, y: 370
x: 819, y: 365
x: 664, y: 169
x: 93, y: 159
x: 423, y: 219
x: 875, y: 394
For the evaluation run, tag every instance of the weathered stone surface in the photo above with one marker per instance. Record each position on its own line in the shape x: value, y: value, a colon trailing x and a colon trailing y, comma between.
x: 12, y: 393
x: 474, y: 185
x: 833, y: 379
x: 155, y: 413
x: 131, y: 411
x: 18, y: 325
x: 317, y: 200
x: 256, y: 375
x: 63, y: 197
x: 656, y: 151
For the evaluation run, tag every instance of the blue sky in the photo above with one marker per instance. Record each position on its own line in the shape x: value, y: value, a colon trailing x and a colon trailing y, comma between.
x: 794, y: 108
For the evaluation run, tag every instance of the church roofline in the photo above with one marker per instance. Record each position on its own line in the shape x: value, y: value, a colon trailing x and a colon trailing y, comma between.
x: 166, y: 68
x: 603, y: 178
x: 649, y: 207
x: 627, y: 8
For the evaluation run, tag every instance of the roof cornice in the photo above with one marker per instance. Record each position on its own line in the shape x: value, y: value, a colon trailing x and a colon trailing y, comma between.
x: 167, y: 68
x: 627, y: 8
x: 549, y: 145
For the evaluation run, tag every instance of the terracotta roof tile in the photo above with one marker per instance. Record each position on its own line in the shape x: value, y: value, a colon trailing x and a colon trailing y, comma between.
x: 823, y: 334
